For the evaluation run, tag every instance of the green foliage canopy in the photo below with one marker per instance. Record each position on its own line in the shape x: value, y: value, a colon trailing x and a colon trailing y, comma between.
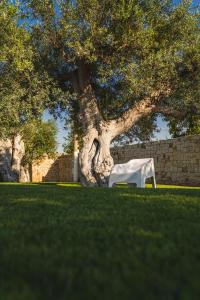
x: 15, y: 48
x: 131, y: 49
x: 25, y: 86
x: 189, y: 126
x: 40, y: 139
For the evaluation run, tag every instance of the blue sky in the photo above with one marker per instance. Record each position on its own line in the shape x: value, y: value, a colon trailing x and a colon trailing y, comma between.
x: 62, y: 133
x: 195, y: 2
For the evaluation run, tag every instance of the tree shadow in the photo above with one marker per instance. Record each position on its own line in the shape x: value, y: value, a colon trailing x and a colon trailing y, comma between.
x: 106, y: 192
x: 60, y: 170
x: 163, y: 191
x: 52, y: 175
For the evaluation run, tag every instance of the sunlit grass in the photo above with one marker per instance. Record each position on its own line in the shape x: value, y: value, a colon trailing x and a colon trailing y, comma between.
x: 122, y: 185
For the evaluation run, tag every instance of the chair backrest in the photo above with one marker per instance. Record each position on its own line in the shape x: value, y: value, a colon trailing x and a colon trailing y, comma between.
x: 131, y: 166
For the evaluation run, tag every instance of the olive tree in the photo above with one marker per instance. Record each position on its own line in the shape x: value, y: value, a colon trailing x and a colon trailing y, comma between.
x: 123, y: 61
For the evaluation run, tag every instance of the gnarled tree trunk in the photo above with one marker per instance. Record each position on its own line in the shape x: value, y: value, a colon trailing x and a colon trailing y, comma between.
x: 25, y: 173
x: 95, y: 159
x: 18, y: 151
x: 97, y: 134
x: 11, y: 154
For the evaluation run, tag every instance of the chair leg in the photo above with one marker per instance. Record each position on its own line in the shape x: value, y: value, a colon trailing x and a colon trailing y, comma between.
x: 153, y: 182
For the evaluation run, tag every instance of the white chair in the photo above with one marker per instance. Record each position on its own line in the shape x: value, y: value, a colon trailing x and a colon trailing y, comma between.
x: 135, y: 171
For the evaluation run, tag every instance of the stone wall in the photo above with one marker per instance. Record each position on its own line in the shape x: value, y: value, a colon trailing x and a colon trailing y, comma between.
x: 53, y: 170
x: 177, y: 161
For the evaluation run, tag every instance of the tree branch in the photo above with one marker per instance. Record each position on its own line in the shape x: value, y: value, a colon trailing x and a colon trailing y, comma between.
x: 170, y: 112
x: 143, y: 108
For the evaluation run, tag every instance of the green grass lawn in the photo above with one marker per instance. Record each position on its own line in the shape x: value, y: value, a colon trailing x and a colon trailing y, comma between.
x: 67, y: 242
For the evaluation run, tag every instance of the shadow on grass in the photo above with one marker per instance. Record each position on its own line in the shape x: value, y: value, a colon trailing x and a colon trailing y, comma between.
x: 69, y: 242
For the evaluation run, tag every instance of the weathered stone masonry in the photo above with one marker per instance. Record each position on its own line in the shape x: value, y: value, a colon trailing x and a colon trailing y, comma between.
x: 177, y: 161
x: 53, y: 170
